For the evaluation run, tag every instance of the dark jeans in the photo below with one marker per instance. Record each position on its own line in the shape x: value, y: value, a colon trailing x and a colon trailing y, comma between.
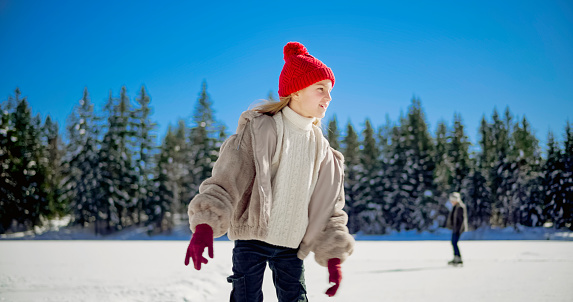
x: 455, y: 239
x: 250, y: 259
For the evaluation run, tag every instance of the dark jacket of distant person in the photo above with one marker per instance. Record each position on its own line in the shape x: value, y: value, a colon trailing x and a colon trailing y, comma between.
x: 455, y: 220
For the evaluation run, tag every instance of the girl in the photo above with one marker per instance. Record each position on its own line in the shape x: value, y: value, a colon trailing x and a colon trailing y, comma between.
x: 277, y: 189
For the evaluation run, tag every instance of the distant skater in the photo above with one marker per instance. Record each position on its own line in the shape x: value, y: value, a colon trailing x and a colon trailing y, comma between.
x: 458, y: 223
x: 277, y: 190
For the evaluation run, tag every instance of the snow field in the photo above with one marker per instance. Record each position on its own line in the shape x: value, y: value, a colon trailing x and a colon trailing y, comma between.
x: 377, y: 271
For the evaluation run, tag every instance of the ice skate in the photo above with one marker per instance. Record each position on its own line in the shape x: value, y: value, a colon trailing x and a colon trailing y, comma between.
x: 457, y: 261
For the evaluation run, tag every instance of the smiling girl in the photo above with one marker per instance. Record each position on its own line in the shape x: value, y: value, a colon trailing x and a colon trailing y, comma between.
x: 277, y: 189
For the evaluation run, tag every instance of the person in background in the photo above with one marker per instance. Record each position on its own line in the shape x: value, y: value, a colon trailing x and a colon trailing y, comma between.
x: 458, y: 223
x: 277, y: 189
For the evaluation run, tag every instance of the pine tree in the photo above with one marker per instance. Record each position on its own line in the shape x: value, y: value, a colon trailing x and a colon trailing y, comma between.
x: 525, y: 144
x: 396, y: 199
x: 526, y: 195
x: 552, y: 183
x: 203, y: 138
x: 452, y: 163
x: 370, y: 153
x: 333, y: 134
x: 421, y: 205
x: 367, y: 200
x: 480, y: 184
x: 351, y: 151
x: 144, y: 153
x: 443, y: 171
x: 116, y: 202
x: 384, y: 137
x: 459, y: 165
x: 181, y: 168
x: 351, y: 146
x: 458, y: 154
x: 81, y: 170
x: 382, y: 179
x: 487, y: 154
x: 567, y: 187
x: 30, y: 196
x: 8, y: 202
x: 477, y: 198
x: 502, y: 168
x: 514, y: 177
x: 160, y: 207
x: 52, y: 161
x: 41, y: 173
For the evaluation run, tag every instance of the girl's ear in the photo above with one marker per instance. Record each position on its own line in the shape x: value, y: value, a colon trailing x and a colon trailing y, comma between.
x: 295, y: 96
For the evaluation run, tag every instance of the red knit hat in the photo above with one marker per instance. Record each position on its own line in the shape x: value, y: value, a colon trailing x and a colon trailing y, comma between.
x: 301, y: 70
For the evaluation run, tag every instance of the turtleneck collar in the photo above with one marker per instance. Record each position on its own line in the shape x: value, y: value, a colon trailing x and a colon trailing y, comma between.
x: 304, y: 123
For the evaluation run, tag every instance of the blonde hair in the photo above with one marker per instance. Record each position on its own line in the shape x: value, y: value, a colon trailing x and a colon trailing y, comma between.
x: 272, y: 107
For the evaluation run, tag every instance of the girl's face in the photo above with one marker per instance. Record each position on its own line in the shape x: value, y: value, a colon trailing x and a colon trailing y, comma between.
x: 313, y: 100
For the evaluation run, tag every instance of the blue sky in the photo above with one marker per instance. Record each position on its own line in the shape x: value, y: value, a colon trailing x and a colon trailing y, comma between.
x: 456, y: 56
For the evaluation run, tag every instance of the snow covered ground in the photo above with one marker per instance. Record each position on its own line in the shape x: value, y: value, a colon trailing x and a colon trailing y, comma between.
x: 104, y: 270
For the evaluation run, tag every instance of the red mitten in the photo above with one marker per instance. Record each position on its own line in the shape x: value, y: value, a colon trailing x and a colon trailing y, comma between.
x: 334, y: 276
x: 202, y: 238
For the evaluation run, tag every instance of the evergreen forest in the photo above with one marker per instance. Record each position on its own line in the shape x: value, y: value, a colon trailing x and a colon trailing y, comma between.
x: 107, y: 172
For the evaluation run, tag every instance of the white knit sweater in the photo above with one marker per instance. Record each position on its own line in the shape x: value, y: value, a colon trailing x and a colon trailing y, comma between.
x: 294, y: 172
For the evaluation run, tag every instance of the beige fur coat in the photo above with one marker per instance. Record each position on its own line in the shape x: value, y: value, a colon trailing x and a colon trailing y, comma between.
x: 237, y: 198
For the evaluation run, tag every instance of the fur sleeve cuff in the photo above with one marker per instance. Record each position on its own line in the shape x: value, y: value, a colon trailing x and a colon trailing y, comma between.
x: 338, y: 245
x: 215, y: 214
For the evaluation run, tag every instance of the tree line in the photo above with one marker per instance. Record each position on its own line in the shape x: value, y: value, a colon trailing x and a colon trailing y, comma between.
x: 399, y: 175
x: 108, y: 173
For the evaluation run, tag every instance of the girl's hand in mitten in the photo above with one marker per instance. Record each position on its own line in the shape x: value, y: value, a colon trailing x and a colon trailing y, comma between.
x: 201, y: 239
x: 334, y: 276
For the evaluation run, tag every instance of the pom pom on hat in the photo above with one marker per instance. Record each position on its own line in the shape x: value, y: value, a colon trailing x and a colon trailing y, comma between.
x: 294, y: 49
x: 301, y: 70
